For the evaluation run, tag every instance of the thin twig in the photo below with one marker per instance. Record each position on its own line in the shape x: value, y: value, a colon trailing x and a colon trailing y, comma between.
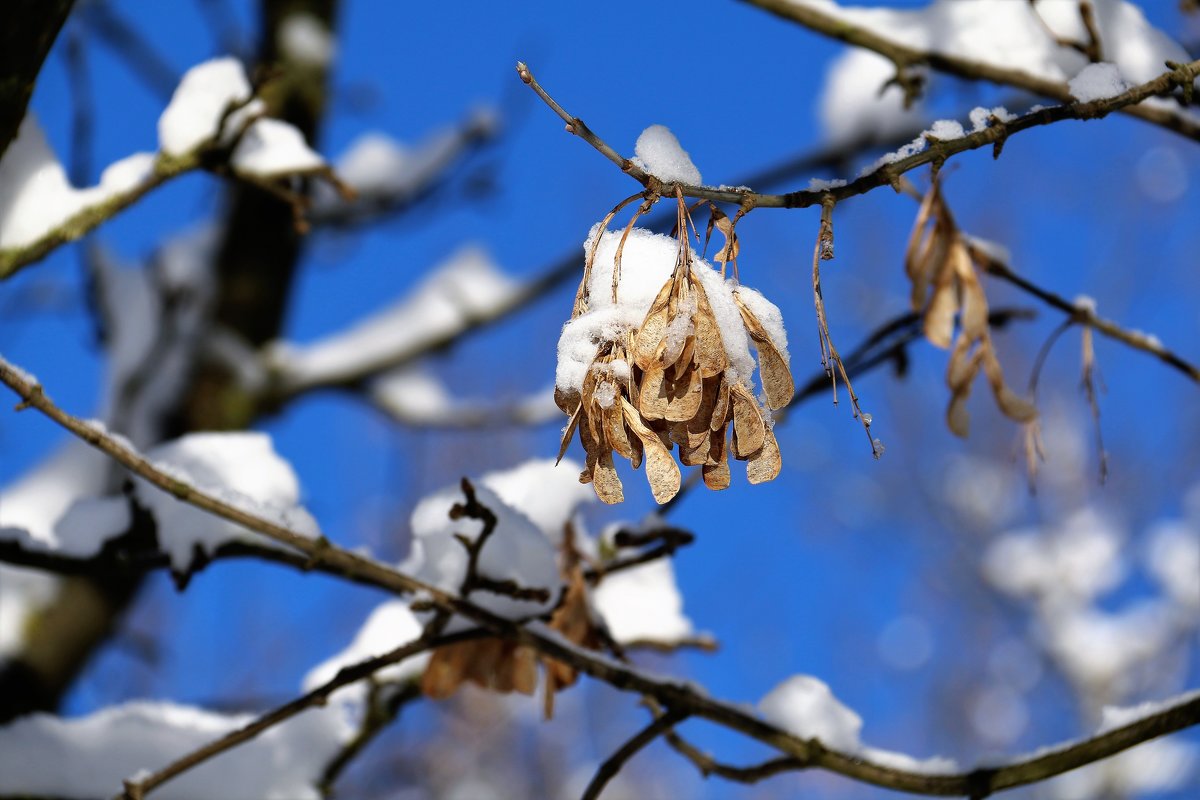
x: 641, y: 739
x: 830, y: 360
x: 888, y: 174
x: 1084, y: 315
x: 379, y: 714
x: 710, y: 766
x: 137, y: 790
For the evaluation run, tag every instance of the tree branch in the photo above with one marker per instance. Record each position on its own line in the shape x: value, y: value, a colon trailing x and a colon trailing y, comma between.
x: 1084, y: 315
x: 904, y: 57
x: 27, y: 30
x: 935, y: 152
x: 87, y: 219
x: 136, y: 790
x: 669, y: 692
x: 609, y: 769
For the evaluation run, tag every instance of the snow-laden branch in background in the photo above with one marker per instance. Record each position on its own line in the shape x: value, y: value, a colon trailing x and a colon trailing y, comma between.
x: 414, y: 396
x: 388, y: 177
x: 213, y: 120
x: 42, y: 755
x: 676, y: 696
x: 1010, y: 44
x: 60, y: 510
x: 467, y: 290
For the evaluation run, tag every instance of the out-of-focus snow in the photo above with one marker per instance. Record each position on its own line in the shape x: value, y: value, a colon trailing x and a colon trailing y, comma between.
x: 47, y: 756
x: 30, y: 513
x: 383, y: 171
x: 271, y: 148
x: 35, y: 195
x: 1000, y: 33
x: 1113, y: 717
x: 647, y: 261
x: 532, y: 503
x: 241, y: 469
x: 205, y: 94
x: 413, y: 393
x: 805, y: 707
x: 658, y: 152
x: 1080, y: 561
x: 854, y: 103
x: 1097, y: 82
x: 150, y: 352
x: 643, y: 604
x: 1173, y: 557
x: 468, y: 285
x: 391, y: 625
x: 1157, y: 766
x: 304, y: 38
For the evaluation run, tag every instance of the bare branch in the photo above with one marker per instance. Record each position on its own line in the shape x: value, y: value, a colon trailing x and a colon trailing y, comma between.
x: 1085, y: 315
x: 641, y: 739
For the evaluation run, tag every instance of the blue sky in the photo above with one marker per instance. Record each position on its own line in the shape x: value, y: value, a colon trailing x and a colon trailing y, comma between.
x: 801, y: 575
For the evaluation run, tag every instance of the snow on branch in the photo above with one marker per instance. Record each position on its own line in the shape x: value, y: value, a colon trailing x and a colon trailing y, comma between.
x: 1002, y: 43
x: 674, y: 695
x: 213, y: 121
x: 467, y: 290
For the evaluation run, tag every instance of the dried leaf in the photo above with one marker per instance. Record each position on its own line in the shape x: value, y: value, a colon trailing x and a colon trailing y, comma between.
x: 605, y: 481
x: 652, y: 394
x: 650, y: 332
x: 729, y: 250
x: 568, y: 434
x: 747, y: 423
x: 661, y: 470
x: 710, y: 356
x: 716, y: 472
x: 1011, y: 405
x: 567, y: 402
x: 446, y: 670
x: 720, y: 413
x: 776, y: 376
x: 674, y: 401
x: 614, y: 431
x: 938, y: 323
x: 974, y: 318
x: 767, y: 463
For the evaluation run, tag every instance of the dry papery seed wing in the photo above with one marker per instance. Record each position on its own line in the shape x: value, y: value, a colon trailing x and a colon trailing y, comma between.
x: 945, y: 285
x: 772, y: 366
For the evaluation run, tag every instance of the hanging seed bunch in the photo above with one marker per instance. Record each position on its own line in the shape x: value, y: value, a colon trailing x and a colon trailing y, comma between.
x: 945, y: 285
x: 657, y: 356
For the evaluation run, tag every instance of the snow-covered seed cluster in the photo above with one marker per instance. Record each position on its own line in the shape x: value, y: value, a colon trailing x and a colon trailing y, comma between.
x: 657, y: 356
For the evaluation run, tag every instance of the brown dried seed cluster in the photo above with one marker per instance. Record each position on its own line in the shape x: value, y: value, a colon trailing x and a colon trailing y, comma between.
x: 668, y: 384
x: 945, y: 284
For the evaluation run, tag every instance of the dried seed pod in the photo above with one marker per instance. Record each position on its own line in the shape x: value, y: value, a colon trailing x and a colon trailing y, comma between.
x: 669, y: 375
x: 940, y: 262
x: 765, y: 465
x: 776, y: 376
x: 661, y: 470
